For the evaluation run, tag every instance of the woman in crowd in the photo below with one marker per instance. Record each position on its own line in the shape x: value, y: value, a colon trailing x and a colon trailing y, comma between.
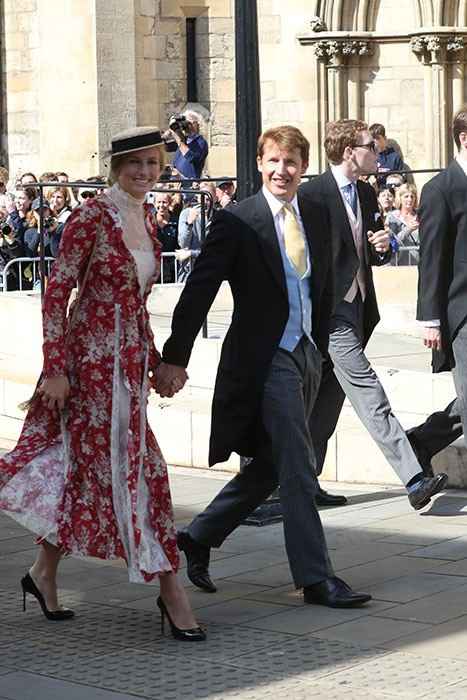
x: 190, y: 234
x: 27, y: 180
x: 403, y: 223
x: 91, y: 480
x: 20, y: 216
x: 386, y: 202
x: 11, y: 248
x: 4, y: 177
x: 60, y: 203
x: 167, y: 227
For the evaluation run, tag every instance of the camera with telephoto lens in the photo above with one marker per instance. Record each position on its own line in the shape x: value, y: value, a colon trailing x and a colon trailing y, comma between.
x: 5, y: 229
x: 180, y: 124
x: 50, y: 222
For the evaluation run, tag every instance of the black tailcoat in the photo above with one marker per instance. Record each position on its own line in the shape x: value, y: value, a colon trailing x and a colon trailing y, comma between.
x: 242, y: 248
x: 325, y: 191
x: 442, y: 280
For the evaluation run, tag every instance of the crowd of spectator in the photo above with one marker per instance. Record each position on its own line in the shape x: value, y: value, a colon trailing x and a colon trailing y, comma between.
x: 178, y: 210
x: 397, y: 199
x: 182, y: 226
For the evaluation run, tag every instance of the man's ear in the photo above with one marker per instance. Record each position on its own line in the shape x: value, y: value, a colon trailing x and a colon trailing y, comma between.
x: 304, y: 168
x: 259, y: 164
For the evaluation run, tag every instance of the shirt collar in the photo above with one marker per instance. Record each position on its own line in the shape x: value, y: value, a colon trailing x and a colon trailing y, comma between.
x: 341, y: 179
x: 462, y: 163
x: 276, y: 204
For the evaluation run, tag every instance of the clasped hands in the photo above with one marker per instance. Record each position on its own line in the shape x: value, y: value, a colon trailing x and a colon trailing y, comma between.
x: 169, y: 379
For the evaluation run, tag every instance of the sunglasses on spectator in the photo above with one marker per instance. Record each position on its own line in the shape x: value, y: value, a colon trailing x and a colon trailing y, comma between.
x: 371, y: 146
x: 88, y: 193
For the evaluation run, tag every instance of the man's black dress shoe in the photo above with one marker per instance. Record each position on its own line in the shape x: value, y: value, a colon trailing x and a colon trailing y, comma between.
x: 426, y: 488
x: 334, y: 593
x: 197, y: 557
x: 422, y: 455
x: 323, y: 498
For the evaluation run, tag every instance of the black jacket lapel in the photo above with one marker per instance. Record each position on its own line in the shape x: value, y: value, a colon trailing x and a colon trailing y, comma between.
x: 313, y: 226
x: 367, y: 223
x: 267, y: 236
x: 338, y: 211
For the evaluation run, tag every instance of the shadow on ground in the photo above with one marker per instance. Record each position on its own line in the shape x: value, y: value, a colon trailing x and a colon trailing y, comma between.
x: 410, y: 642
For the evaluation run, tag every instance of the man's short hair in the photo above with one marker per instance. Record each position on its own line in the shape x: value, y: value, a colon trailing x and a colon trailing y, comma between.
x: 377, y: 130
x: 459, y: 125
x: 287, y: 138
x: 341, y: 134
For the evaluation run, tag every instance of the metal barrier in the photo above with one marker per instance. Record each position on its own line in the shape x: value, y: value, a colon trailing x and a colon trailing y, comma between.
x: 406, y: 256
x: 21, y: 262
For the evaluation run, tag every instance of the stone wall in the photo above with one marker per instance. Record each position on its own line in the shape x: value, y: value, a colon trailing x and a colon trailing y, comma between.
x: 115, y: 40
x: 123, y: 63
x: 161, y: 69
x: 49, y: 86
x: 20, y: 72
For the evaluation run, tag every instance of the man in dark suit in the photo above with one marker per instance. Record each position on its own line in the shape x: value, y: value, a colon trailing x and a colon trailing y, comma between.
x: 442, y: 286
x: 359, y: 241
x: 274, y: 251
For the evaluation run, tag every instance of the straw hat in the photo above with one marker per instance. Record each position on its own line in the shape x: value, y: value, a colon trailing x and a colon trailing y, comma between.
x: 135, y: 140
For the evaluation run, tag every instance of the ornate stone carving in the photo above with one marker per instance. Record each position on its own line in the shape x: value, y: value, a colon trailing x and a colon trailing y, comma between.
x: 455, y: 44
x: 328, y: 50
x: 418, y: 44
x: 434, y: 48
x: 317, y: 24
x: 433, y: 43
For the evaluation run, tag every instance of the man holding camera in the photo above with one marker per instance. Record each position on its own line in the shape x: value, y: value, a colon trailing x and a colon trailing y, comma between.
x: 192, y: 148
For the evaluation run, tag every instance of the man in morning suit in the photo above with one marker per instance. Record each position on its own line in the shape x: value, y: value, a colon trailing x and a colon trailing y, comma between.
x: 274, y: 250
x: 357, y: 245
x: 442, y: 285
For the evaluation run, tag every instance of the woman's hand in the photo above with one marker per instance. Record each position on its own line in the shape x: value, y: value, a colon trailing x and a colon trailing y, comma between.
x: 55, y: 391
x: 192, y: 215
x: 182, y: 254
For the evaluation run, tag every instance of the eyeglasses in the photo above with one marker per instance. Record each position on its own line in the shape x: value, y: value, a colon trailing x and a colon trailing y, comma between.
x: 87, y: 193
x: 371, y: 146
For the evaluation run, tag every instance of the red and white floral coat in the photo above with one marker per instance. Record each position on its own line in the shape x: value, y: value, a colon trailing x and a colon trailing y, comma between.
x: 95, y: 482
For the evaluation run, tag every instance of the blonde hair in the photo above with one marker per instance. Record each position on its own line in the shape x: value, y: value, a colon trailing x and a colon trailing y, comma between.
x: 64, y: 191
x: 118, y: 160
x: 405, y: 189
x: 4, y: 175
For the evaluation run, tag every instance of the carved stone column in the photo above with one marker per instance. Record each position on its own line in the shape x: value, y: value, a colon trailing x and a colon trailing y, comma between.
x: 456, y: 50
x: 440, y: 55
x: 343, y: 81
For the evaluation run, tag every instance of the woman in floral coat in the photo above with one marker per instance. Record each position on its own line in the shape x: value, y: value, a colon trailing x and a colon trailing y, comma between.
x: 87, y: 476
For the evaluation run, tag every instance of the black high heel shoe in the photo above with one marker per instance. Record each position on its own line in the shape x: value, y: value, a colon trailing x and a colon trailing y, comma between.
x: 193, y: 635
x: 28, y: 586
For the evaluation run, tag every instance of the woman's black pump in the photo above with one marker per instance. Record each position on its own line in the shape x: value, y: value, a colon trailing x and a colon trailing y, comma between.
x: 192, y: 635
x: 28, y: 586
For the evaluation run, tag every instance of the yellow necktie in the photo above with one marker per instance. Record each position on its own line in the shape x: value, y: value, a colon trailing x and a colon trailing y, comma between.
x: 294, y: 240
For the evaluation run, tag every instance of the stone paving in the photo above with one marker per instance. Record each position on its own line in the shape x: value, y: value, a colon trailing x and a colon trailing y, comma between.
x: 410, y: 642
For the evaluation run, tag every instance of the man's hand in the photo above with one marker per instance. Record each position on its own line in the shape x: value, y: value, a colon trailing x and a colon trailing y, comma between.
x: 380, y: 240
x: 169, y: 379
x: 55, y: 391
x: 432, y: 337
